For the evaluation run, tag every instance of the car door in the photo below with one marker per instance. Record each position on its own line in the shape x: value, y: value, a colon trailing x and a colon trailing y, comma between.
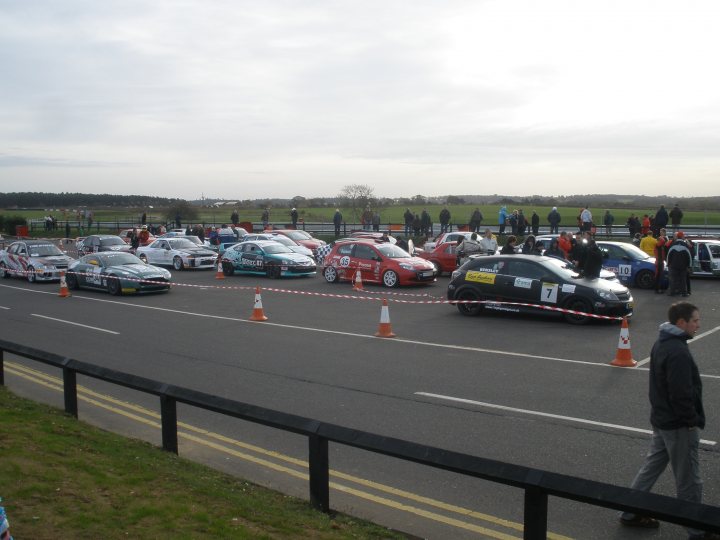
x: 164, y: 252
x: 368, y: 261
x: 616, y: 259
x: 92, y: 273
x: 17, y: 257
x: 342, y: 260
x: 252, y: 258
x: 521, y: 281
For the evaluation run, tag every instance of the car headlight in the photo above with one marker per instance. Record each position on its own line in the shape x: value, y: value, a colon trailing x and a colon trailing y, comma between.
x: 607, y: 295
x: 406, y: 266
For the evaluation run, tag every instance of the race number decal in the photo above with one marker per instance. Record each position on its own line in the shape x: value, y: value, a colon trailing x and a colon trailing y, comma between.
x: 624, y: 270
x: 548, y: 293
x: 480, y: 277
x: 95, y: 275
x: 345, y: 261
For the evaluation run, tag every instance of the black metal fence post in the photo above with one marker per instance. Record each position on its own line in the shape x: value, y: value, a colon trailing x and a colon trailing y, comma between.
x: 168, y: 420
x: 536, y: 502
x: 319, y: 473
x: 70, y: 389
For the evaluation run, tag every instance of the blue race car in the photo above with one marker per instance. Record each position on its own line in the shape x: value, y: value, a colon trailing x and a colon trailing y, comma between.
x: 631, y: 264
x: 266, y: 257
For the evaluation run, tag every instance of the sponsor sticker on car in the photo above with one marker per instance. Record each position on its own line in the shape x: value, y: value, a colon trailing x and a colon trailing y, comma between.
x: 480, y: 277
x: 523, y: 283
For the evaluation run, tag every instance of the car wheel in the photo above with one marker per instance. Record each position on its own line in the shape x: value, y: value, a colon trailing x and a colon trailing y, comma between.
x: 71, y: 280
x: 390, y: 279
x: 272, y: 271
x: 227, y: 268
x: 143, y: 258
x: 645, y: 279
x: 113, y: 286
x: 178, y: 263
x: 31, y: 274
x: 438, y: 270
x: 576, y: 303
x: 4, y: 271
x: 330, y: 274
x: 469, y: 310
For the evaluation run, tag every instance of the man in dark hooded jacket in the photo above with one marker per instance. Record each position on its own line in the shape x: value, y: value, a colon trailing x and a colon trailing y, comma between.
x: 677, y: 414
x: 679, y: 261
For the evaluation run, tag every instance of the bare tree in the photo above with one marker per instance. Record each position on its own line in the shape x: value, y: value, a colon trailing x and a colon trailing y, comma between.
x: 357, y: 197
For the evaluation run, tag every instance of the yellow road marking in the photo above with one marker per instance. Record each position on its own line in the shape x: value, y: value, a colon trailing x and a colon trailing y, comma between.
x: 89, y: 396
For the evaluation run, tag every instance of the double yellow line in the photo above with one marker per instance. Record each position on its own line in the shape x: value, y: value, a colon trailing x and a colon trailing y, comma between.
x: 284, y: 464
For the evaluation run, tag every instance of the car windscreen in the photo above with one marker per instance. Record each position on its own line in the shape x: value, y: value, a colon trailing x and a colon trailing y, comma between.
x: 284, y: 240
x: 299, y: 235
x: 276, y: 248
x: 44, y: 250
x: 392, y: 251
x: 114, y: 241
x: 635, y: 252
x: 181, y: 243
x: 194, y: 239
x: 118, y: 259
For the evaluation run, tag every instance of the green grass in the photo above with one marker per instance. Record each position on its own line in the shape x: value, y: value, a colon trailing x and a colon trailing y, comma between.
x: 62, y: 478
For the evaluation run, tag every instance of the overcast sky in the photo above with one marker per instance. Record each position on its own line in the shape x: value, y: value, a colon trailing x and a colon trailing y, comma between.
x: 274, y: 98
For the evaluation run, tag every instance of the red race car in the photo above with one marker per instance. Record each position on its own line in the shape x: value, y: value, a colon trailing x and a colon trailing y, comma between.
x: 443, y: 257
x: 383, y: 263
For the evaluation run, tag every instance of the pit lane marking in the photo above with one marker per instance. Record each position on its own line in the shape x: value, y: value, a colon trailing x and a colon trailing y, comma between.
x: 76, y: 324
x: 545, y: 415
x: 704, y: 334
x: 203, y: 437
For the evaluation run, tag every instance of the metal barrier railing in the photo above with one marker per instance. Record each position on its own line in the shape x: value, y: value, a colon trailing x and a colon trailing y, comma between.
x: 537, y: 484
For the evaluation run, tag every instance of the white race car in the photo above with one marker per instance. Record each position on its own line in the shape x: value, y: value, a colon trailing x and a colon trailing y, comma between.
x: 39, y: 260
x: 177, y: 252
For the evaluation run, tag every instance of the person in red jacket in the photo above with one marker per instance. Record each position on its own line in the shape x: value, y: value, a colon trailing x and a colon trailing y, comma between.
x: 564, y: 243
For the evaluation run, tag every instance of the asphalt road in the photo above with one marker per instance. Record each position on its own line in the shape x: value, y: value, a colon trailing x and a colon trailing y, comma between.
x: 527, y: 390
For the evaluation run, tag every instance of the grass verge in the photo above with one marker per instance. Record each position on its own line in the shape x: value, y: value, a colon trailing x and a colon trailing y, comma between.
x: 62, y: 478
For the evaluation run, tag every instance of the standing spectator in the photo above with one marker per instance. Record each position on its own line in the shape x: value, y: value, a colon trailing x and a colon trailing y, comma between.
x: 467, y: 247
x: 645, y: 227
x: 366, y: 219
x: 521, y: 223
x: 586, y: 219
x: 509, y: 247
x: 564, y: 243
x: 488, y: 243
x: 265, y: 218
x: 593, y: 259
x: 608, y: 220
x: 376, y: 221
x: 661, y: 220
x: 529, y: 247
x: 134, y: 239
x: 633, y: 225
x: 143, y: 219
x: 235, y: 217
x: 554, y: 220
x: 554, y: 250
x: 188, y: 230
x: 408, y: 215
x: 660, y: 249
x: 577, y: 251
x: 425, y: 222
x: 178, y: 221
x: 677, y: 414
x: 513, y: 221
x: 679, y: 260
x: 294, y: 217
x: 502, y: 219
x: 337, y: 221
x: 416, y: 225
x: 444, y: 220
x: 475, y: 220
x: 199, y: 231
x: 143, y: 235
x: 648, y: 244
x: 535, y: 223
x: 676, y: 216
x: 67, y: 229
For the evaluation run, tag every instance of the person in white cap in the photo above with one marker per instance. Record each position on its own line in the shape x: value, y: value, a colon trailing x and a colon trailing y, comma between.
x: 294, y: 217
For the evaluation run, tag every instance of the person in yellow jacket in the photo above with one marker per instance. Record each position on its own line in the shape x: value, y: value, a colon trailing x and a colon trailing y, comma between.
x: 648, y: 243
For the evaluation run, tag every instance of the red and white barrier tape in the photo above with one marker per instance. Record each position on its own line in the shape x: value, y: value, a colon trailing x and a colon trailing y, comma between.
x: 436, y: 300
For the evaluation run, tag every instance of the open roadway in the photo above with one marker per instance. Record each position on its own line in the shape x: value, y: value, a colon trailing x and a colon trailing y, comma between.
x: 527, y: 390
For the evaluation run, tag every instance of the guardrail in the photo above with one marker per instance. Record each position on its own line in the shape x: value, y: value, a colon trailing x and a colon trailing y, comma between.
x: 537, y: 484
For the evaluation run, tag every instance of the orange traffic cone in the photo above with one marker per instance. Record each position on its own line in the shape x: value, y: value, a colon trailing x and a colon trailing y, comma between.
x: 385, y: 330
x: 258, y: 314
x: 219, y: 274
x: 64, y: 291
x: 623, y: 357
x: 357, y: 282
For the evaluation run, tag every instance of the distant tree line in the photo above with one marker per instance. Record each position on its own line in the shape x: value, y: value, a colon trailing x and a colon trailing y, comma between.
x: 356, y: 197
